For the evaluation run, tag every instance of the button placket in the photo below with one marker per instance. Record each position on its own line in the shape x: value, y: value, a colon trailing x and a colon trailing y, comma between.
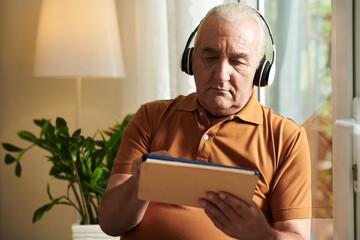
x: 207, y: 139
x: 205, y: 144
x: 203, y: 120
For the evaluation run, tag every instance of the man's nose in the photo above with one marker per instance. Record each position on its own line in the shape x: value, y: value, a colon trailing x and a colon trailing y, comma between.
x: 222, y: 71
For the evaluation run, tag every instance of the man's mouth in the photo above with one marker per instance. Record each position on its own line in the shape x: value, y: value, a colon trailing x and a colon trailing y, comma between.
x: 220, y: 89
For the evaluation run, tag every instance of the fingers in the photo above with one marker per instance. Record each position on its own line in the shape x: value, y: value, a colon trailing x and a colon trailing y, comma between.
x: 220, y: 207
x: 226, y: 207
x: 239, y: 206
x: 214, y: 213
x: 225, y: 211
x: 235, y: 217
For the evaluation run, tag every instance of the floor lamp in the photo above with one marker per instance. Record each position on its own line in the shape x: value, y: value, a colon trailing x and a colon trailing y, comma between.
x: 78, y: 39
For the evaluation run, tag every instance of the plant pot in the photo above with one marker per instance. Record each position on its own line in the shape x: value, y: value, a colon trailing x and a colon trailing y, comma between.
x: 89, y: 232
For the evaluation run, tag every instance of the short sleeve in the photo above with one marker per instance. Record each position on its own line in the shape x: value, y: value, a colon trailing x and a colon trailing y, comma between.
x: 290, y: 197
x: 135, y: 142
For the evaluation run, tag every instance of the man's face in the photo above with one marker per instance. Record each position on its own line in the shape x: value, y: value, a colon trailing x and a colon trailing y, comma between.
x: 224, y: 64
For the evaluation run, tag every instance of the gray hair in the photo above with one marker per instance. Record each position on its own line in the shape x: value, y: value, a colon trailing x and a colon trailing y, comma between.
x: 237, y: 11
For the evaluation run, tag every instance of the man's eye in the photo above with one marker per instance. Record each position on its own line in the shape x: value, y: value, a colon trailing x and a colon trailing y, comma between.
x: 237, y: 62
x: 210, y: 59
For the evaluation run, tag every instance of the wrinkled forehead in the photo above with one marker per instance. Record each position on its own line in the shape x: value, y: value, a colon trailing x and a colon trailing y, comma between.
x: 239, y: 30
x: 221, y: 25
x: 243, y: 28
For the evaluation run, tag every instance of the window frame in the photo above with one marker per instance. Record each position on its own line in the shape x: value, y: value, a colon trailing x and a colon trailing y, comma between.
x: 343, y: 37
x: 343, y: 85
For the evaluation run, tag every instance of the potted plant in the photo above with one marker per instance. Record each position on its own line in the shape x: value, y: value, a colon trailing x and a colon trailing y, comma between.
x: 84, y: 162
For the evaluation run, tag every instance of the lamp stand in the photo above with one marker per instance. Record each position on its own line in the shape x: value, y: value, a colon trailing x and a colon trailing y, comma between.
x: 78, y: 101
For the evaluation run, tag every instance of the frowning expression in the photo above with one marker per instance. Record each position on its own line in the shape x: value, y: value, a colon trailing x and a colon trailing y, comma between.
x: 224, y: 64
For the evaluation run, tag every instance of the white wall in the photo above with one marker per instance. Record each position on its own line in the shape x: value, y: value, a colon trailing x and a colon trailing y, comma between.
x: 24, y: 98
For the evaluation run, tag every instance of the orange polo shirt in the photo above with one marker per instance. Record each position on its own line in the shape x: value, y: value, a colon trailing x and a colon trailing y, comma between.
x: 256, y: 137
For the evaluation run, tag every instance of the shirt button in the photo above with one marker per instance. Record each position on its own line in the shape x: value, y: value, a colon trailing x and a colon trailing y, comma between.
x: 201, y: 113
x: 206, y: 137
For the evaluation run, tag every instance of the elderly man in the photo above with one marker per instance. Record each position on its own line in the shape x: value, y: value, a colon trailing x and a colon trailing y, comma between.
x: 221, y: 123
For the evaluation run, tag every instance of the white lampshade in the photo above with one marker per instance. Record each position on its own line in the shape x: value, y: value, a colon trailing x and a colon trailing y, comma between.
x: 78, y: 38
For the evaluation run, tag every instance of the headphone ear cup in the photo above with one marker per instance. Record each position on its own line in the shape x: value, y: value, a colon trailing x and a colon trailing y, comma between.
x: 262, y: 74
x: 186, y: 61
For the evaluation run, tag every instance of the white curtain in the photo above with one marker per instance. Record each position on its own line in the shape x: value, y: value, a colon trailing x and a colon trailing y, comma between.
x: 154, y: 34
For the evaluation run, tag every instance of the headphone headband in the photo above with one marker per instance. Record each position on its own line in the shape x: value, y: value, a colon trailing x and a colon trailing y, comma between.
x: 265, y: 73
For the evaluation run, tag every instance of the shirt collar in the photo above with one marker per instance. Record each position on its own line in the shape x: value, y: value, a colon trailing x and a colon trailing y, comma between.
x: 251, y: 112
x: 189, y: 103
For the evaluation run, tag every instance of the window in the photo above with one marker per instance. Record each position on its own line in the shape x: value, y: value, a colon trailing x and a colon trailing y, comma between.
x: 302, y: 89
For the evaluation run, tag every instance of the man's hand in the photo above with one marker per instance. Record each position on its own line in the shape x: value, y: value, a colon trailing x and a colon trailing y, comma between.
x: 235, y: 218
x: 242, y: 221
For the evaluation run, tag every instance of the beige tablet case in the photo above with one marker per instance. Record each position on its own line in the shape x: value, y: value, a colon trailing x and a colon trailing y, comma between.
x: 184, y: 183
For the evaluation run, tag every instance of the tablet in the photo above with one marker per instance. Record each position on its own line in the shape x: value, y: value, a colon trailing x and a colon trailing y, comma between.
x: 183, y: 182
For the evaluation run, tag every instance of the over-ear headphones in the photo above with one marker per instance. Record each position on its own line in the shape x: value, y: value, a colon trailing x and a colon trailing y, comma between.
x: 265, y: 73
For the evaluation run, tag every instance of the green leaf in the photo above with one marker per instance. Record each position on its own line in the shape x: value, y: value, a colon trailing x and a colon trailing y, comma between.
x: 74, y: 154
x: 41, y: 122
x: 95, y: 188
x: 84, y: 168
x: 52, y: 149
x: 40, y: 211
x: 96, y: 175
x: 18, y: 169
x: 102, y: 135
x: 38, y: 122
x: 114, y: 139
x: 9, y: 159
x: 126, y: 120
x: 63, y: 173
x: 28, y: 136
x: 76, y: 133
x: 48, y: 192
x: 65, y: 178
x: 61, y: 141
x: 60, y: 122
x: 62, y: 129
x: 20, y: 154
x: 11, y: 148
x: 48, y: 130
